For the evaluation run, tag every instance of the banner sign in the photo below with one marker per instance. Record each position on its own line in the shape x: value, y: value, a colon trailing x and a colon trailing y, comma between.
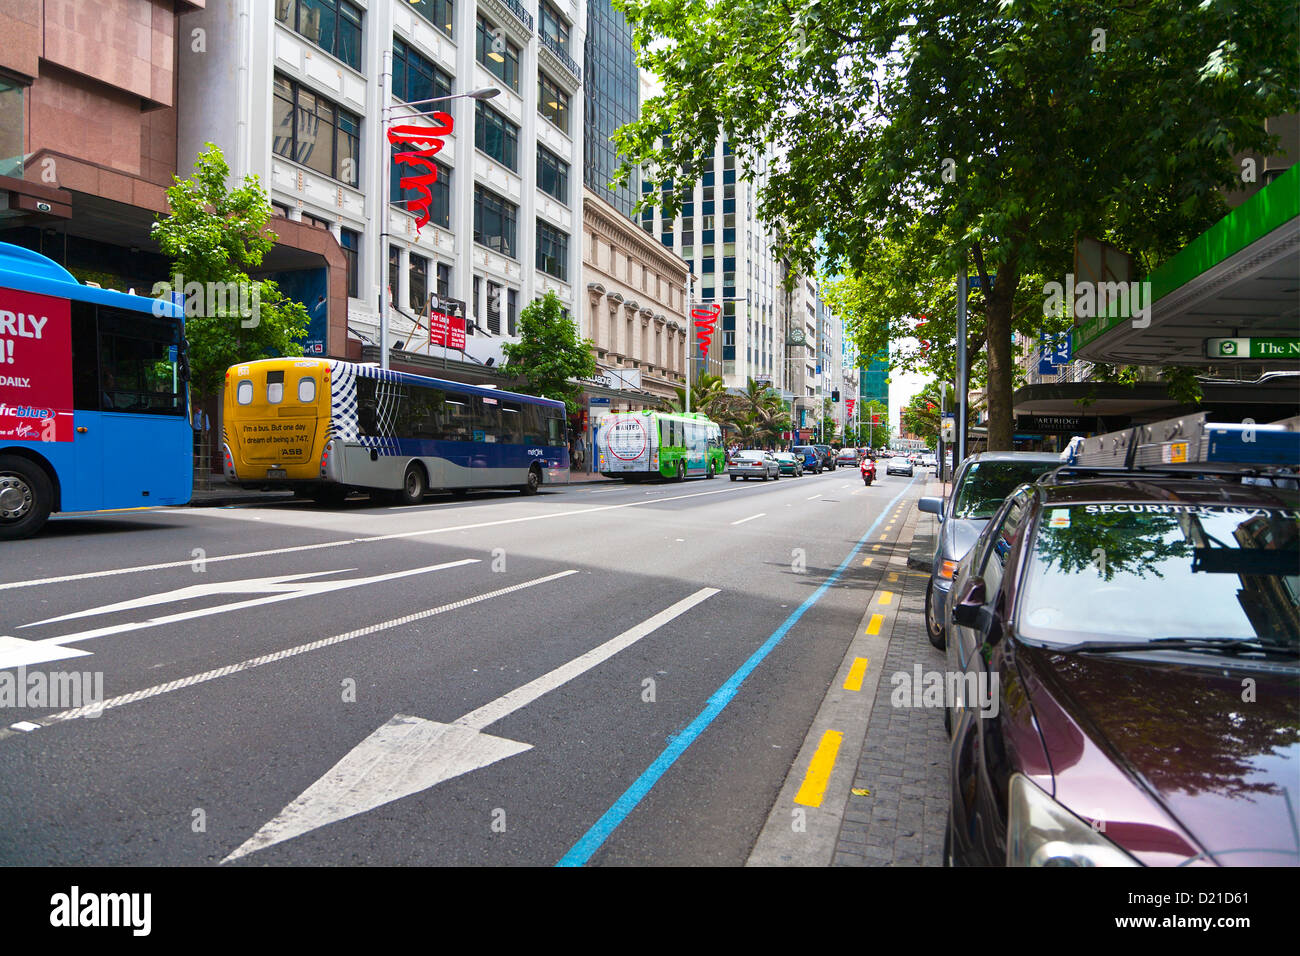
x: 415, y: 136
x: 848, y: 405
x: 1053, y: 352
x: 705, y: 318
x: 446, y: 322
x: 35, y: 367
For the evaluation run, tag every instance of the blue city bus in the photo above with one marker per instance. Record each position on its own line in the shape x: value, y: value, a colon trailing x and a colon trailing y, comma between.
x: 94, y: 397
x: 323, y: 427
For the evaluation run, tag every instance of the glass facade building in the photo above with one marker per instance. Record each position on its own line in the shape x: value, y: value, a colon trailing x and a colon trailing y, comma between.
x: 612, y: 90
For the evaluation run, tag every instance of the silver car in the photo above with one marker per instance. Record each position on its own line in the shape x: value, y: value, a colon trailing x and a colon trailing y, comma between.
x: 898, y: 465
x: 979, y: 488
x: 753, y: 463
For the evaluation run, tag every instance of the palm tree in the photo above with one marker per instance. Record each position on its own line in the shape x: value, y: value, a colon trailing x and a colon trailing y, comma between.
x: 705, y: 392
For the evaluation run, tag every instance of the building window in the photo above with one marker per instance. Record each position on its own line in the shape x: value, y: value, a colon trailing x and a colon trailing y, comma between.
x: 437, y: 12
x: 311, y: 130
x: 496, y: 136
x: 512, y: 311
x: 495, y: 222
x: 351, y: 243
x: 417, y: 274
x: 333, y: 25
x: 552, y: 251
x: 552, y: 175
x: 552, y: 102
x: 439, y: 189
x: 416, y: 79
x: 497, y: 54
x: 444, y: 280
x: 394, y: 272
x: 494, y: 307
x: 551, y: 24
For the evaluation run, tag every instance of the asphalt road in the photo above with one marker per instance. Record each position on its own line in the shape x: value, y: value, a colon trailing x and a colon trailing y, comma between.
x: 603, y: 674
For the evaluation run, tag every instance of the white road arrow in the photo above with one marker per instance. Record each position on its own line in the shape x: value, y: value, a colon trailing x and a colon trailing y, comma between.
x: 15, y: 652
x: 409, y: 754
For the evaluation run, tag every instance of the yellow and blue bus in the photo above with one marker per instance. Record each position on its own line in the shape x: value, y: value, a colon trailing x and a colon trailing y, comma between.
x: 94, y: 397
x: 323, y: 427
x: 677, y: 446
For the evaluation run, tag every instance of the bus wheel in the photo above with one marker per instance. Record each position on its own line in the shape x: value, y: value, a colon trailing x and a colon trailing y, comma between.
x: 681, y: 471
x: 710, y: 471
x: 413, y: 485
x: 534, y: 481
x: 26, y: 497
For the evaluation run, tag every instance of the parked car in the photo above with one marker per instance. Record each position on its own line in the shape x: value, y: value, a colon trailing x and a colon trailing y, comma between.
x: 978, y: 490
x: 828, y: 456
x: 789, y: 464
x: 847, y: 458
x: 753, y: 463
x: 812, y: 458
x: 867, y: 468
x: 1114, y: 621
x: 898, y: 465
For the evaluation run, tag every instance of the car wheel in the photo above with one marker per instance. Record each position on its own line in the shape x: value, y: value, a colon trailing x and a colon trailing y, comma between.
x: 26, y: 497
x: 948, y: 859
x: 933, y: 629
x: 733, y: 477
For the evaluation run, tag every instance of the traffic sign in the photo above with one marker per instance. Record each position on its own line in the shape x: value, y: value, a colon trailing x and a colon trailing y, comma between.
x: 1253, y: 348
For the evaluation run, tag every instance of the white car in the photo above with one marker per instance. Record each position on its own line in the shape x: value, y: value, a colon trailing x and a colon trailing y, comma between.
x: 899, y: 465
x: 753, y: 463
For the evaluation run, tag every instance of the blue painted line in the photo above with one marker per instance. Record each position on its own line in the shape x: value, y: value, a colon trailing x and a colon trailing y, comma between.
x: 593, y: 839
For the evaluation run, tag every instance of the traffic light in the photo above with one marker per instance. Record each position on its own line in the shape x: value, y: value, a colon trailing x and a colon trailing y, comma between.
x: 835, y: 395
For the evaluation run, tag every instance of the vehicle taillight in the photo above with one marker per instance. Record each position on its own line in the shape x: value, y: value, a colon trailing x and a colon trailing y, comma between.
x: 947, y: 569
x: 325, y: 458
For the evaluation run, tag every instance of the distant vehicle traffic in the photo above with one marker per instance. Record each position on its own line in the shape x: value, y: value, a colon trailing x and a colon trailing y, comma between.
x: 323, y: 427
x: 847, y: 458
x: 790, y: 464
x: 94, y: 397
x: 812, y: 458
x: 899, y: 465
x: 828, y: 456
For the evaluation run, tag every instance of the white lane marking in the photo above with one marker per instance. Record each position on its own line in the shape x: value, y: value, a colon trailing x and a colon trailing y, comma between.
x: 214, y: 513
x: 410, y: 754
x: 183, y: 682
x: 34, y: 651
x: 811, y: 497
x: 750, y: 518
x: 24, y: 726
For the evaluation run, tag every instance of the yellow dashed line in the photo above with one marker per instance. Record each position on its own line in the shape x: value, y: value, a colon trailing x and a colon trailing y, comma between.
x: 813, y: 788
x: 874, y: 626
x: 886, y: 597
x: 856, y: 673
x: 893, y: 575
x: 866, y: 562
x: 884, y: 537
x: 875, y: 547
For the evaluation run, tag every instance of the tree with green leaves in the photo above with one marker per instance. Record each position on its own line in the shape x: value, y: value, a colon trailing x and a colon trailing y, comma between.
x: 214, y: 235
x: 960, y: 135
x: 706, y: 393
x: 550, y: 357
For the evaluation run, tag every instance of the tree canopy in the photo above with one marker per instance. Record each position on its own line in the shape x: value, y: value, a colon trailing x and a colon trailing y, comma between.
x: 215, y: 234
x: 550, y: 356
x: 906, y: 141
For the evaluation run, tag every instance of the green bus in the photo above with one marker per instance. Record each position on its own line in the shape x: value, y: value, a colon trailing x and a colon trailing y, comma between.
x: 637, y: 445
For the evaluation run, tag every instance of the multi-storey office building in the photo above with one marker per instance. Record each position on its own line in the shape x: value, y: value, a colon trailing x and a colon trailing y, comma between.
x: 295, y: 92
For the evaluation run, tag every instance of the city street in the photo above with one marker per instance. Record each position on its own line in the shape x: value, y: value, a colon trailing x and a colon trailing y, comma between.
x: 605, y: 673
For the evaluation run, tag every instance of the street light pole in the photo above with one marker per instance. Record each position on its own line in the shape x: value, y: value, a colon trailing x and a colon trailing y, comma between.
x: 386, y: 116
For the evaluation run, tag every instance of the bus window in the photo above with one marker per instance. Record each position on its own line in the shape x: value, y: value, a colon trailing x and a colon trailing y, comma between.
x: 306, y: 390
x: 139, y: 363
x: 534, y: 425
x: 85, y: 362
x: 457, y: 419
x: 512, y: 425
x: 487, y: 420
x: 275, y: 387
x: 555, y: 430
x: 244, y: 393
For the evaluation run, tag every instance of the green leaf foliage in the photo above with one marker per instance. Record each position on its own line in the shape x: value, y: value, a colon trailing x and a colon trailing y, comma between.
x: 549, y: 355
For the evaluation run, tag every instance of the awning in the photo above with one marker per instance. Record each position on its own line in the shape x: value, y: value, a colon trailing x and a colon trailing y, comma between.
x: 1241, y: 278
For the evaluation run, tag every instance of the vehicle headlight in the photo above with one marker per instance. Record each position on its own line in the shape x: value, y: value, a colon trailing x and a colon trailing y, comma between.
x: 1041, y: 832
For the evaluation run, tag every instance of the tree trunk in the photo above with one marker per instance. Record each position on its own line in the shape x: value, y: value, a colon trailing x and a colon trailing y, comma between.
x: 1001, y: 423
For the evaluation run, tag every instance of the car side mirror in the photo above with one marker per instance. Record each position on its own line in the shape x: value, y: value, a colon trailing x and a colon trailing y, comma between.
x: 966, y: 611
x: 933, y: 506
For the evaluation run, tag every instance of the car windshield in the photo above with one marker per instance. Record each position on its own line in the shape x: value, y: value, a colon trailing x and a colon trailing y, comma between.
x: 1139, y: 571
x: 749, y: 455
x: 987, y: 483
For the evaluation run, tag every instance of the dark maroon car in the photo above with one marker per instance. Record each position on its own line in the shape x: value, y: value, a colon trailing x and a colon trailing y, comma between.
x: 1124, y: 662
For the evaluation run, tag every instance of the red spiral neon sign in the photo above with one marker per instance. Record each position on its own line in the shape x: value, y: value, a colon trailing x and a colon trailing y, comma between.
x: 705, y: 317
x: 415, y: 135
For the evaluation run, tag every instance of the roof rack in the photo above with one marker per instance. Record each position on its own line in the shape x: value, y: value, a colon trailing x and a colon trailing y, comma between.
x: 1194, y: 442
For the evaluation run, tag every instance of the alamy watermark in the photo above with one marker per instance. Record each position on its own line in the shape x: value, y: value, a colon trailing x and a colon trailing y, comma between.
x: 1090, y: 299
x: 64, y: 690
x: 243, y: 299
x: 945, y: 689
